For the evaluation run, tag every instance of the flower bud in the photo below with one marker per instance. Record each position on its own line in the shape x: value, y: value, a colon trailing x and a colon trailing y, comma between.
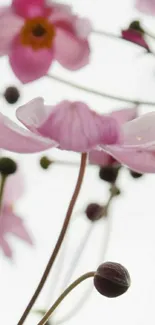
x: 94, y: 211
x: 7, y: 166
x: 135, y: 174
x: 135, y: 25
x: 111, y: 279
x: 11, y: 95
x: 45, y: 162
x: 109, y: 173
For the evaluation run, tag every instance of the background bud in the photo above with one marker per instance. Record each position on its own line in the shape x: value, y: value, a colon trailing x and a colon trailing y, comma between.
x: 111, y: 279
x: 45, y: 162
x: 109, y: 173
x: 7, y: 166
x: 11, y: 95
x: 94, y: 211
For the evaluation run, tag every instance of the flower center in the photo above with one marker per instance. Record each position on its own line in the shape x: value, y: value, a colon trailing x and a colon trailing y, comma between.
x: 37, y: 33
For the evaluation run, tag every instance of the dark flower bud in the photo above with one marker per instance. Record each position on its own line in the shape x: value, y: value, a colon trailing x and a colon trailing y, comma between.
x: 11, y: 95
x: 115, y: 191
x: 135, y: 25
x: 45, y: 162
x: 109, y: 173
x: 135, y: 174
x: 112, y: 279
x: 94, y: 211
x: 7, y: 166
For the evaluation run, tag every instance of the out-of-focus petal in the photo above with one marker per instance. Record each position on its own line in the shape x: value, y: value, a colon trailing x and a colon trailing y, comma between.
x: 83, y: 27
x: 14, y: 188
x: 28, y: 8
x: 18, y: 229
x: 5, y: 247
x: 146, y: 6
x: 27, y: 64
x: 17, y: 139
x: 124, y: 115
x: 75, y: 127
x: 10, y: 25
x: 71, y: 52
x: 98, y: 157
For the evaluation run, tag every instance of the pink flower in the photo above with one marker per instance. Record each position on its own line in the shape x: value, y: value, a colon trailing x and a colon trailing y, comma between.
x: 102, y: 158
x: 11, y: 223
x: 146, y: 6
x: 135, y: 34
x: 68, y: 125
x: 34, y: 34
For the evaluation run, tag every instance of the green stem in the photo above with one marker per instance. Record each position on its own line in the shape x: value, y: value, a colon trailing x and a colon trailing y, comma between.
x: 63, y: 295
x: 3, y: 179
x: 98, y: 93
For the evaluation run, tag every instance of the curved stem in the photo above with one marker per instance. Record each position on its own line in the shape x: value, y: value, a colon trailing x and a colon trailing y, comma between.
x: 98, y: 93
x: 64, y: 294
x: 3, y: 179
x: 60, y: 239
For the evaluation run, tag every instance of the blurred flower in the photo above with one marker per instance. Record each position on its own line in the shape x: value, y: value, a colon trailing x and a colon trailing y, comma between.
x: 11, y: 223
x: 135, y: 34
x: 34, y: 34
x: 68, y: 125
x: 102, y: 158
x: 146, y: 6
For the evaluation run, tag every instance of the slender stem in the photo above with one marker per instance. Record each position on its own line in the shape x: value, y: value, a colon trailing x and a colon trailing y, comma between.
x: 3, y: 179
x: 64, y: 294
x: 60, y: 239
x: 149, y: 34
x: 98, y: 93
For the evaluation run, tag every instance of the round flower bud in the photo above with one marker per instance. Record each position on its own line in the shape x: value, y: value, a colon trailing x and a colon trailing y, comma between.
x: 11, y: 95
x: 135, y: 25
x: 111, y: 279
x: 109, y: 173
x: 7, y: 166
x: 94, y: 211
x: 45, y: 162
x: 135, y: 174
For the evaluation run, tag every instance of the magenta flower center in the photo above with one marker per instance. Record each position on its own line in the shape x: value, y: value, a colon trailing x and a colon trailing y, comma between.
x: 37, y: 33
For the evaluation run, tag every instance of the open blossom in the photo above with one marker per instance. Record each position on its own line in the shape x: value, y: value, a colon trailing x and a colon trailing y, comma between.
x: 34, y: 34
x: 99, y: 157
x: 10, y: 222
x: 68, y: 125
x: 146, y: 6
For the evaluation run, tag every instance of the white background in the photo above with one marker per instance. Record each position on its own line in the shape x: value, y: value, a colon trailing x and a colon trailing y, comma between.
x: 122, y: 69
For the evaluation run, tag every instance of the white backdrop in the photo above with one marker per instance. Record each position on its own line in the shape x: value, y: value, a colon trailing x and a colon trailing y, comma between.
x: 116, y: 67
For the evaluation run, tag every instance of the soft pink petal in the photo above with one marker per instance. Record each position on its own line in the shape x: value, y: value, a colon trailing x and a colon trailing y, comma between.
x: 83, y: 27
x: 124, y: 115
x: 18, y: 229
x: 33, y: 114
x: 75, y: 127
x: 146, y: 6
x: 135, y: 37
x: 17, y: 139
x: 14, y: 188
x: 5, y: 247
x: 10, y: 25
x: 27, y: 64
x: 28, y: 8
x: 70, y: 51
x: 141, y: 161
x: 98, y: 157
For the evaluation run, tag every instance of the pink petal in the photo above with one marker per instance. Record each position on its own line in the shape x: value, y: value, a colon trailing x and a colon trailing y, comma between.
x: 141, y: 161
x: 14, y: 138
x: 146, y: 6
x: 33, y: 114
x: 5, y: 247
x: 135, y: 37
x: 83, y: 27
x: 75, y: 127
x: 27, y: 64
x: 101, y: 158
x: 70, y: 51
x: 14, y: 188
x: 10, y: 25
x: 28, y: 8
x: 125, y: 115
x: 18, y: 229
